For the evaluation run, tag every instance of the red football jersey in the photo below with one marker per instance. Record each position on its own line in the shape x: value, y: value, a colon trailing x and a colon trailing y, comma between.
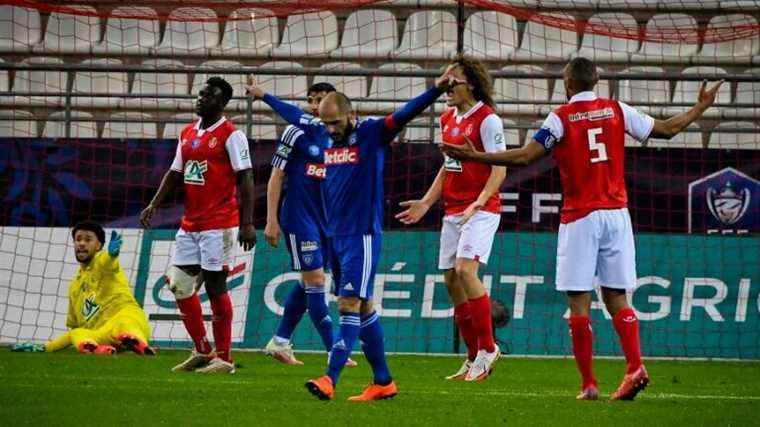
x: 463, y: 181
x: 590, y: 157
x: 210, y: 179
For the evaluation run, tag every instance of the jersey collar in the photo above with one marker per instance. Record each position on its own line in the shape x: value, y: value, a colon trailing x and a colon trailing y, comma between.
x: 583, y: 96
x: 469, y: 112
x: 210, y: 128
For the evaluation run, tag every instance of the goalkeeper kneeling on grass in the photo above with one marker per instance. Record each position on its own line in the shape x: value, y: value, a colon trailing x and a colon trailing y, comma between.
x: 103, y: 315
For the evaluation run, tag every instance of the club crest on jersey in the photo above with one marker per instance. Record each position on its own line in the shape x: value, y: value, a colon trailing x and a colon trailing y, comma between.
x: 196, y: 142
x: 342, y: 156
x: 89, y: 308
x: 455, y: 132
x: 313, y: 150
x: 468, y: 130
x: 724, y: 202
x: 194, y: 171
x: 316, y: 170
x: 308, y: 258
x: 212, y: 142
x: 352, y: 140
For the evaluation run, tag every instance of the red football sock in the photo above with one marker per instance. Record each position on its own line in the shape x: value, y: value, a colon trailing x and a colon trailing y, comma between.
x: 463, y: 317
x: 627, y: 327
x: 192, y: 317
x: 481, y: 321
x: 221, y: 305
x: 583, y: 347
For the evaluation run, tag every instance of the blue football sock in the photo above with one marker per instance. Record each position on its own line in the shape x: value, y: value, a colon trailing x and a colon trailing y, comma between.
x: 373, y: 345
x: 344, y: 343
x: 320, y: 317
x: 295, y: 307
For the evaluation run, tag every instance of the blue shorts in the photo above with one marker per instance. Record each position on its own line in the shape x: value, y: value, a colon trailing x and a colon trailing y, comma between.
x: 307, y: 250
x: 353, y: 261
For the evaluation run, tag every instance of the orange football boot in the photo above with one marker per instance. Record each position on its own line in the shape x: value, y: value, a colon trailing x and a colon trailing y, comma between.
x: 376, y: 392
x: 321, y: 387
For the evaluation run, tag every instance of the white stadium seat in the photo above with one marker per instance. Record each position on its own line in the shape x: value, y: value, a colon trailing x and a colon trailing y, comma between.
x: 192, y: 38
x: 18, y: 124
x: 637, y: 91
x: 174, y: 125
x: 130, y: 36
x: 79, y: 129
x: 726, y: 139
x: 353, y: 86
x: 19, y: 29
x: 159, y: 84
x: 40, y: 81
x: 286, y: 86
x: 511, y: 136
x: 420, y: 131
x: 309, y: 34
x: 262, y: 126
x: 247, y: 33
x: 397, y: 88
x: 674, y: 50
x: 529, y: 89
x: 490, y: 35
x: 368, y: 33
x: 4, y: 82
x: 547, y: 41
x: 749, y: 92
x: 687, y: 91
x: 68, y: 33
x: 136, y: 126
x: 602, y: 47
x: 741, y: 49
x: 428, y: 35
x: 99, y: 82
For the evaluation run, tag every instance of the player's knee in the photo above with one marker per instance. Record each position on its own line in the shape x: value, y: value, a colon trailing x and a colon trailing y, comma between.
x: 466, y: 269
x: 614, y: 300
x: 314, y: 278
x: 216, y: 282
x: 349, y: 304
x: 181, y: 283
x: 366, y: 307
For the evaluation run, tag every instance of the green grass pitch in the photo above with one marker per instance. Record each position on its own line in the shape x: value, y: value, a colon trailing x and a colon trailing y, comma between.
x: 71, y: 389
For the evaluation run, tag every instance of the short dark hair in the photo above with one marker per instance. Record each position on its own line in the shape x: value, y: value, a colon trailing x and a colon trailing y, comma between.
x: 583, y: 73
x: 321, y: 87
x: 222, y: 85
x: 90, y: 226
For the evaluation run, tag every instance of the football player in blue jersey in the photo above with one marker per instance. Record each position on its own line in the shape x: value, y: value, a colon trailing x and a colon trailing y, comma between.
x: 352, y: 167
x: 301, y: 221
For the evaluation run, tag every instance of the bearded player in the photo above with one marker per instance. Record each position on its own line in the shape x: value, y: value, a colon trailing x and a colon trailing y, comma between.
x: 213, y: 161
x: 103, y: 316
x: 354, y: 152
x: 472, y: 212
x: 595, y: 244
x: 302, y: 221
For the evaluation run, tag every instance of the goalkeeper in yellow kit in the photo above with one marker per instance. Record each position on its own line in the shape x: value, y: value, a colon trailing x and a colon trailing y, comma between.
x: 103, y: 315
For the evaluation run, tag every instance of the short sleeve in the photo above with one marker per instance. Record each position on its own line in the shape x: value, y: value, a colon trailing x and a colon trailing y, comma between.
x: 637, y: 124
x: 551, y: 131
x: 237, y: 149
x: 177, y: 164
x: 492, y: 134
x: 286, y: 146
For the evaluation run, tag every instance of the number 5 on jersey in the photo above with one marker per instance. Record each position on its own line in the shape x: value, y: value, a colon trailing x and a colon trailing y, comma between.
x: 599, y: 147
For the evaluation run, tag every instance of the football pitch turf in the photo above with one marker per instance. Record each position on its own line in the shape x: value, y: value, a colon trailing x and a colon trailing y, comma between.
x: 71, y: 389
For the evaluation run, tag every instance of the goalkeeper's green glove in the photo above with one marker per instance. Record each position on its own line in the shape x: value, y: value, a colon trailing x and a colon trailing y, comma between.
x: 28, y: 347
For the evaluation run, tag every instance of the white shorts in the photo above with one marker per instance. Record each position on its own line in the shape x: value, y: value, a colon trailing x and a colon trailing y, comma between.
x: 597, y: 249
x: 213, y: 250
x: 473, y: 240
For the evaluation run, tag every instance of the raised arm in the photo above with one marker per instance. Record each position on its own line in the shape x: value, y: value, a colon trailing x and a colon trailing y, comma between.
x: 671, y: 127
x: 289, y: 112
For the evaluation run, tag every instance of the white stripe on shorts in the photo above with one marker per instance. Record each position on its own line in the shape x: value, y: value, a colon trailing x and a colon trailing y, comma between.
x: 294, y: 252
x: 367, y: 267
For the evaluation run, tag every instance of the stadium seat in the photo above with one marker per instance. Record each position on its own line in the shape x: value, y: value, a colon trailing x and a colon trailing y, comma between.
x: 511, y: 135
x: 428, y: 35
x: 723, y: 136
x: 130, y: 36
x: 543, y: 41
x: 530, y: 89
x: 673, y: 26
x: 312, y: 34
x: 174, y: 125
x: 286, y: 86
x: 353, y: 86
x: 159, y: 84
x: 602, y: 89
x: 687, y: 91
x: 136, y: 126
x: 4, y: 82
x: 262, y: 126
x: 397, y: 88
x: 490, y: 35
x: 247, y: 33
x: 419, y: 131
x: 237, y: 81
x: 191, y: 38
x: 79, y: 128
x: 749, y: 92
x: 99, y: 82
x: 19, y: 29
x: 644, y: 91
x: 16, y: 123
x: 369, y: 33
x: 68, y: 33
x: 532, y: 131
x: 38, y: 81
x: 599, y: 42
x: 740, y: 50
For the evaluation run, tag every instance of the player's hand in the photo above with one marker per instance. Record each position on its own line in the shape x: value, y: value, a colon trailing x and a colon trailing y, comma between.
x: 114, y: 246
x: 247, y: 237
x: 466, y: 151
x: 447, y: 80
x: 415, y: 210
x: 707, y: 96
x: 253, y: 90
x: 28, y: 347
x: 272, y: 233
x: 146, y: 215
x: 470, y: 211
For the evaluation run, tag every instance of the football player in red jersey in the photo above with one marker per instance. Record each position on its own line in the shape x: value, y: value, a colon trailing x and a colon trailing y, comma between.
x: 595, y: 244
x: 472, y: 207
x: 214, y: 162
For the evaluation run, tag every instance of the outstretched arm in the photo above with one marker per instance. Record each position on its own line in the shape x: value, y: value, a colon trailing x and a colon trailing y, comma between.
x: 522, y: 156
x: 673, y: 126
x: 416, y: 209
x: 290, y: 113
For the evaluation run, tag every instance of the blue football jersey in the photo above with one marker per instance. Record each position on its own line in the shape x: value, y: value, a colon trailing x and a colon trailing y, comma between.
x: 300, y: 154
